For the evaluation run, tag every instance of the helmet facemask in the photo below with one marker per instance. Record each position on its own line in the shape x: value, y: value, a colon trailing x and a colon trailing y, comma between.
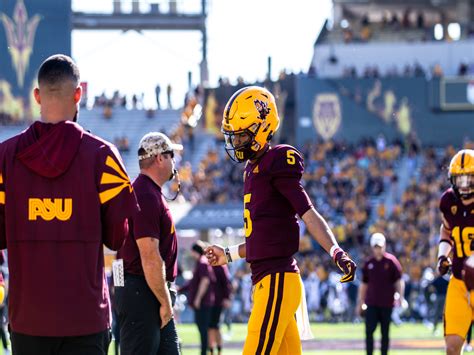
x: 463, y: 186
x: 241, y: 145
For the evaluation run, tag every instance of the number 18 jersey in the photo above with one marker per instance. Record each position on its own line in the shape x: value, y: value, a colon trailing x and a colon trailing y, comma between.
x: 461, y: 223
x: 273, y: 196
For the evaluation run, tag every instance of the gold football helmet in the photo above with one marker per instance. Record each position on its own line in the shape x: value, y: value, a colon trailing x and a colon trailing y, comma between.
x: 250, y: 121
x: 461, y: 173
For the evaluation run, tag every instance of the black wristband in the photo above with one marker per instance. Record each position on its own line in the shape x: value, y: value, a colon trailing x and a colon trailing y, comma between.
x: 446, y: 241
x: 227, y: 254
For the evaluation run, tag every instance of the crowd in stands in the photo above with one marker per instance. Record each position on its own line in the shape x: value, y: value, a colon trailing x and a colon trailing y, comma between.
x: 117, y: 100
x: 135, y: 102
x: 342, y: 178
x: 408, y: 71
x: 406, y: 26
x: 409, y: 23
x: 215, y: 180
x: 122, y: 143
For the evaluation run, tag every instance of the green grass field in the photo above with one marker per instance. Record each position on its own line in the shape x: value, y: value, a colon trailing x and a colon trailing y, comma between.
x: 347, y: 333
x: 330, y: 339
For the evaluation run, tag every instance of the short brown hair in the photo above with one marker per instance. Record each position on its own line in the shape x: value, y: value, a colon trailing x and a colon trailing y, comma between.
x: 57, y: 69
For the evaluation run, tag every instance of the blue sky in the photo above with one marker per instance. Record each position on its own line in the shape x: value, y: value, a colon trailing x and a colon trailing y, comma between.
x: 241, y: 35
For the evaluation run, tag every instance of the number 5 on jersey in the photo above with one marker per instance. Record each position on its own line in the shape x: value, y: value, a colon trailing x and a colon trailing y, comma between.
x: 290, y: 157
x: 247, y: 219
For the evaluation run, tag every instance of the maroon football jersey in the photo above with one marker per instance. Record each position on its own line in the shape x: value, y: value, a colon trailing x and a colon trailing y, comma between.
x: 63, y: 194
x: 461, y: 222
x: 153, y: 220
x: 273, y: 196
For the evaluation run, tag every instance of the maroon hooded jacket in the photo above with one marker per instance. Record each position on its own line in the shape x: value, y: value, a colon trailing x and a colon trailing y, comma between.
x: 63, y: 194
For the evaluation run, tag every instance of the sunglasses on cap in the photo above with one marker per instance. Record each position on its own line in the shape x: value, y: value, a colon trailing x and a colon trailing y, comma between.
x: 169, y: 152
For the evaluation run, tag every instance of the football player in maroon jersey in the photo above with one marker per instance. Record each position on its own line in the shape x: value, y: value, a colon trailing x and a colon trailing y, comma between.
x: 457, y: 232
x: 273, y: 196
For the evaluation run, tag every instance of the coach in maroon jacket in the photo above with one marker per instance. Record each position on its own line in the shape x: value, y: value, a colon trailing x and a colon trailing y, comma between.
x: 381, y: 286
x: 63, y: 194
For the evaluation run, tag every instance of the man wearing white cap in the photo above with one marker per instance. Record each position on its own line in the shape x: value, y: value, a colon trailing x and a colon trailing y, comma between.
x: 149, y: 254
x: 381, y: 286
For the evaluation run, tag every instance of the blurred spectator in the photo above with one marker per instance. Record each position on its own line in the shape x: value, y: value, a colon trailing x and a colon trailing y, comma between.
x: 437, y: 290
x: 117, y: 100
x: 420, y: 21
x: 394, y: 22
x: 150, y: 113
x: 463, y: 69
x: 385, y: 19
x: 437, y: 71
x: 348, y: 35
x: 107, y: 111
x: 407, y: 71
x: 350, y: 72
x: 200, y: 293
x: 122, y: 143
x: 418, y: 71
x: 168, y: 96
x: 365, y: 31
x: 406, y: 18
x: 157, y: 95
x: 365, y: 20
x: 222, y: 289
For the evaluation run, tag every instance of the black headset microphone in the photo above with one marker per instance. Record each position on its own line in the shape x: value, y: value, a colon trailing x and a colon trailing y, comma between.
x: 174, y: 175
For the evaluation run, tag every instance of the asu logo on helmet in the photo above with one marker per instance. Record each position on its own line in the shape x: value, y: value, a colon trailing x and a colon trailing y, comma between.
x: 249, y: 123
x: 461, y: 174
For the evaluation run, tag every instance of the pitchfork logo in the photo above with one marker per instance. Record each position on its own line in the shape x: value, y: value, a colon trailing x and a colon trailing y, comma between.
x: 20, y: 32
x: 262, y: 108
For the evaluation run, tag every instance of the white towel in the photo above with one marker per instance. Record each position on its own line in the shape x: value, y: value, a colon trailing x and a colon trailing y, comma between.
x: 302, y: 319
